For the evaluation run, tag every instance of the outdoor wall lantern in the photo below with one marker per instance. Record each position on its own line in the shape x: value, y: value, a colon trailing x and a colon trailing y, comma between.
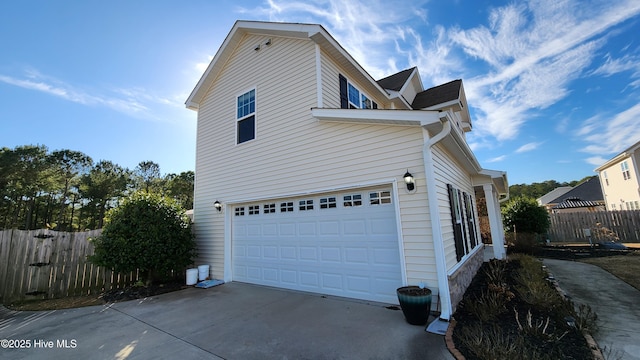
x: 410, y: 181
x: 217, y: 205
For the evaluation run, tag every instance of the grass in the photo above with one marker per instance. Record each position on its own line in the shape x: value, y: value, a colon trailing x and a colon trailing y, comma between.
x: 625, y: 267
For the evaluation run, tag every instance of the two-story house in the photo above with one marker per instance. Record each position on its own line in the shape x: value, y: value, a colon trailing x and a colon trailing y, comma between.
x: 619, y: 180
x: 313, y: 176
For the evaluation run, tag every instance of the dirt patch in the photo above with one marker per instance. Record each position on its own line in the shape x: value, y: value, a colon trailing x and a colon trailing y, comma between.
x: 116, y: 295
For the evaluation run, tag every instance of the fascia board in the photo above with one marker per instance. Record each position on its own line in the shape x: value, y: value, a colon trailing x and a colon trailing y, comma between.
x: 409, y: 78
x: 377, y: 116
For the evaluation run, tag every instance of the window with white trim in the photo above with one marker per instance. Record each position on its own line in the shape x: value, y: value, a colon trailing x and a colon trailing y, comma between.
x: 380, y: 197
x: 246, y: 117
x: 352, y: 200
x: 286, y: 206
x: 328, y: 202
x: 305, y: 205
x: 353, y: 98
x: 268, y: 208
x: 254, y: 209
x: 606, y: 178
x: 626, y: 174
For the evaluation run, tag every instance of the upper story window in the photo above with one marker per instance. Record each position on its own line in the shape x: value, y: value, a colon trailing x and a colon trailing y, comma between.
x: 606, y: 178
x: 352, y: 98
x: 246, y: 117
x: 626, y: 174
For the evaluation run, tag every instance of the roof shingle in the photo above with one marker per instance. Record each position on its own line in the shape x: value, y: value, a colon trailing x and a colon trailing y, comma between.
x: 437, y: 95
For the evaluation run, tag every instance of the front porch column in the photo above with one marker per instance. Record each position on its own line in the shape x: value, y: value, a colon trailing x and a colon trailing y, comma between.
x: 495, y: 222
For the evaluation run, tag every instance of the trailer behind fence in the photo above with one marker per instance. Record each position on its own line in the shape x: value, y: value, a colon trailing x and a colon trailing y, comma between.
x: 618, y: 226
x: 45, y: 264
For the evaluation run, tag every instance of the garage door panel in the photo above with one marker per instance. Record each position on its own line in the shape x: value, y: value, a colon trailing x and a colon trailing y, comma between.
x: 343, y: 251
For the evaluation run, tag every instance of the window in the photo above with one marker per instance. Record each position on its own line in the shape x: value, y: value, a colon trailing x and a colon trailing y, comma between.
x: 246, y: 117
x: 254, y: 209
x: 606, y: 178
x: 306, y: 205
x: 286, y: 206
x: 352, y: 98
x: 626, y: 174
x: 328, y: 203
x: 268, y: 208
x: 464, y: 221
x: 380, y: 197
x: 239, y: 211
x: 352, y: 200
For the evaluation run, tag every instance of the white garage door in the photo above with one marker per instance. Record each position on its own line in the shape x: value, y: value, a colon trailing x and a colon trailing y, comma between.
x: 342, y: 244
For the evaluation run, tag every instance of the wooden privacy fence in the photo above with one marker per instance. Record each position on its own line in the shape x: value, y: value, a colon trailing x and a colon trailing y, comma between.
x: 45, y: 264
x: 621, y: 226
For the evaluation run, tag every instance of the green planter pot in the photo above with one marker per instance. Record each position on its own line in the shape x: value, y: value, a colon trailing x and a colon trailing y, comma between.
x: 415, y: 303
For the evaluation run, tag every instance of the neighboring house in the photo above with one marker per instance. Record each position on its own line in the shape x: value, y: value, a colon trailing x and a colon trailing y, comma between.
x: 619, y: 179
x: 584, y: 197
x: 547, y: 199
x: 305, y: 157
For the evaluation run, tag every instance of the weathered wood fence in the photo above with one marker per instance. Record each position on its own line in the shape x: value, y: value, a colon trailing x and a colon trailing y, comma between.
x: 45, y: 264
x: 621, y: 226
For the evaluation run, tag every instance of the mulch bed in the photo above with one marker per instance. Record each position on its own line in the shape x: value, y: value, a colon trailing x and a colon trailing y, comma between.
x: 577, y: 252
x: 571, y: 346
x: 140, y: 292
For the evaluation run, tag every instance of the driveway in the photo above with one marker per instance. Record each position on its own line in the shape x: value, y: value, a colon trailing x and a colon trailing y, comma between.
x: 231, y: 321
x: 615, y: 302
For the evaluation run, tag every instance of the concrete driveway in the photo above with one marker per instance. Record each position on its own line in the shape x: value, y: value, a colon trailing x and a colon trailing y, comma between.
x: 231, y: 321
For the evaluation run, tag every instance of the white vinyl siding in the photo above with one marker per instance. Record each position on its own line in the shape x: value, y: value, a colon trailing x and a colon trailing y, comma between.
x: 295, y: 153
x: 621, y: 189
x: 448, y: 171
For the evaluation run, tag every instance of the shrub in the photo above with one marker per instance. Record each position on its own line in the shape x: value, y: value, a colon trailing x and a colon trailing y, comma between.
x: 524, y: 215
x: 489, y: 343
x: 148, y: 233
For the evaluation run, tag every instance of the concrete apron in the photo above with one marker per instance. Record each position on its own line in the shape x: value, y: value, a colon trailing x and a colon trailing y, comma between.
x: 614, y: 301
x: 231, y: 321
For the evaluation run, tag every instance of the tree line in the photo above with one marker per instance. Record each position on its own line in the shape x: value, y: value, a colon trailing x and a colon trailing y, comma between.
x: 66, y: 190
x: 536, y: 190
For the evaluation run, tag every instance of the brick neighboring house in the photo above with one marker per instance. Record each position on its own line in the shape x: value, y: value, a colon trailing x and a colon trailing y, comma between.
x: 620, y: 180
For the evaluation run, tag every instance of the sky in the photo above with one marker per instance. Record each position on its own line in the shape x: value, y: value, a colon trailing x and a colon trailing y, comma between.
x: 553, y: 86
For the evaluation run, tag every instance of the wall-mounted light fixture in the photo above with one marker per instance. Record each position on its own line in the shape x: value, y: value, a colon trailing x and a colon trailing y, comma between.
x: 217, y: 205
x: 268, y: 42
x: 410, y: 181
x: 257, y: 47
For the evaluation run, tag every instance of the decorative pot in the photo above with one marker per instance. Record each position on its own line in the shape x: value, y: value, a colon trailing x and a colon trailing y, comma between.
x: 415, y: 303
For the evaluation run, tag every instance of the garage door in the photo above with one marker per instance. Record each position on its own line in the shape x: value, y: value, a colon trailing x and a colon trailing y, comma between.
x: 342, y: 244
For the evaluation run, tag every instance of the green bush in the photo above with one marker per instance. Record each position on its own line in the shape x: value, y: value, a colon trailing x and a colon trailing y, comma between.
x: 524, y: 215
x: 148, y: 233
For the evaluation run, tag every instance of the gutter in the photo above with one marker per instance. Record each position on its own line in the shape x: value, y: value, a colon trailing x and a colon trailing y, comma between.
x: 438, y: 244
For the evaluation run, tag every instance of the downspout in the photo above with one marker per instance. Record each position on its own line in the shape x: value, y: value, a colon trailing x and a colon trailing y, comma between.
x: 438, y: 244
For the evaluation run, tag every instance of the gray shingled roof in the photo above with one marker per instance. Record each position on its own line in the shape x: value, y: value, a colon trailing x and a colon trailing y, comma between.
x: 589, y: 190
x: 571, y: 204
x: 396, y: 81
x: 437, y: 95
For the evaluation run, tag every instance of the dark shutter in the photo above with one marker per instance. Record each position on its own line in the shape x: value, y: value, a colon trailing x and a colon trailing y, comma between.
x: 344, y: 96
x: 456, y: 221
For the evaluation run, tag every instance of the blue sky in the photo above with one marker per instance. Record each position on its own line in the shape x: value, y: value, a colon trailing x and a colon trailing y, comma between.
x: 553, y: 86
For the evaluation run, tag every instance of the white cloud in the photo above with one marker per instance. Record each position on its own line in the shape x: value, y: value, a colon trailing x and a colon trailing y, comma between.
x: 534, y: 50
x: 497, y: 159
x: 137, y: 102
x: 607, y: 138
x: 529, y: 147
